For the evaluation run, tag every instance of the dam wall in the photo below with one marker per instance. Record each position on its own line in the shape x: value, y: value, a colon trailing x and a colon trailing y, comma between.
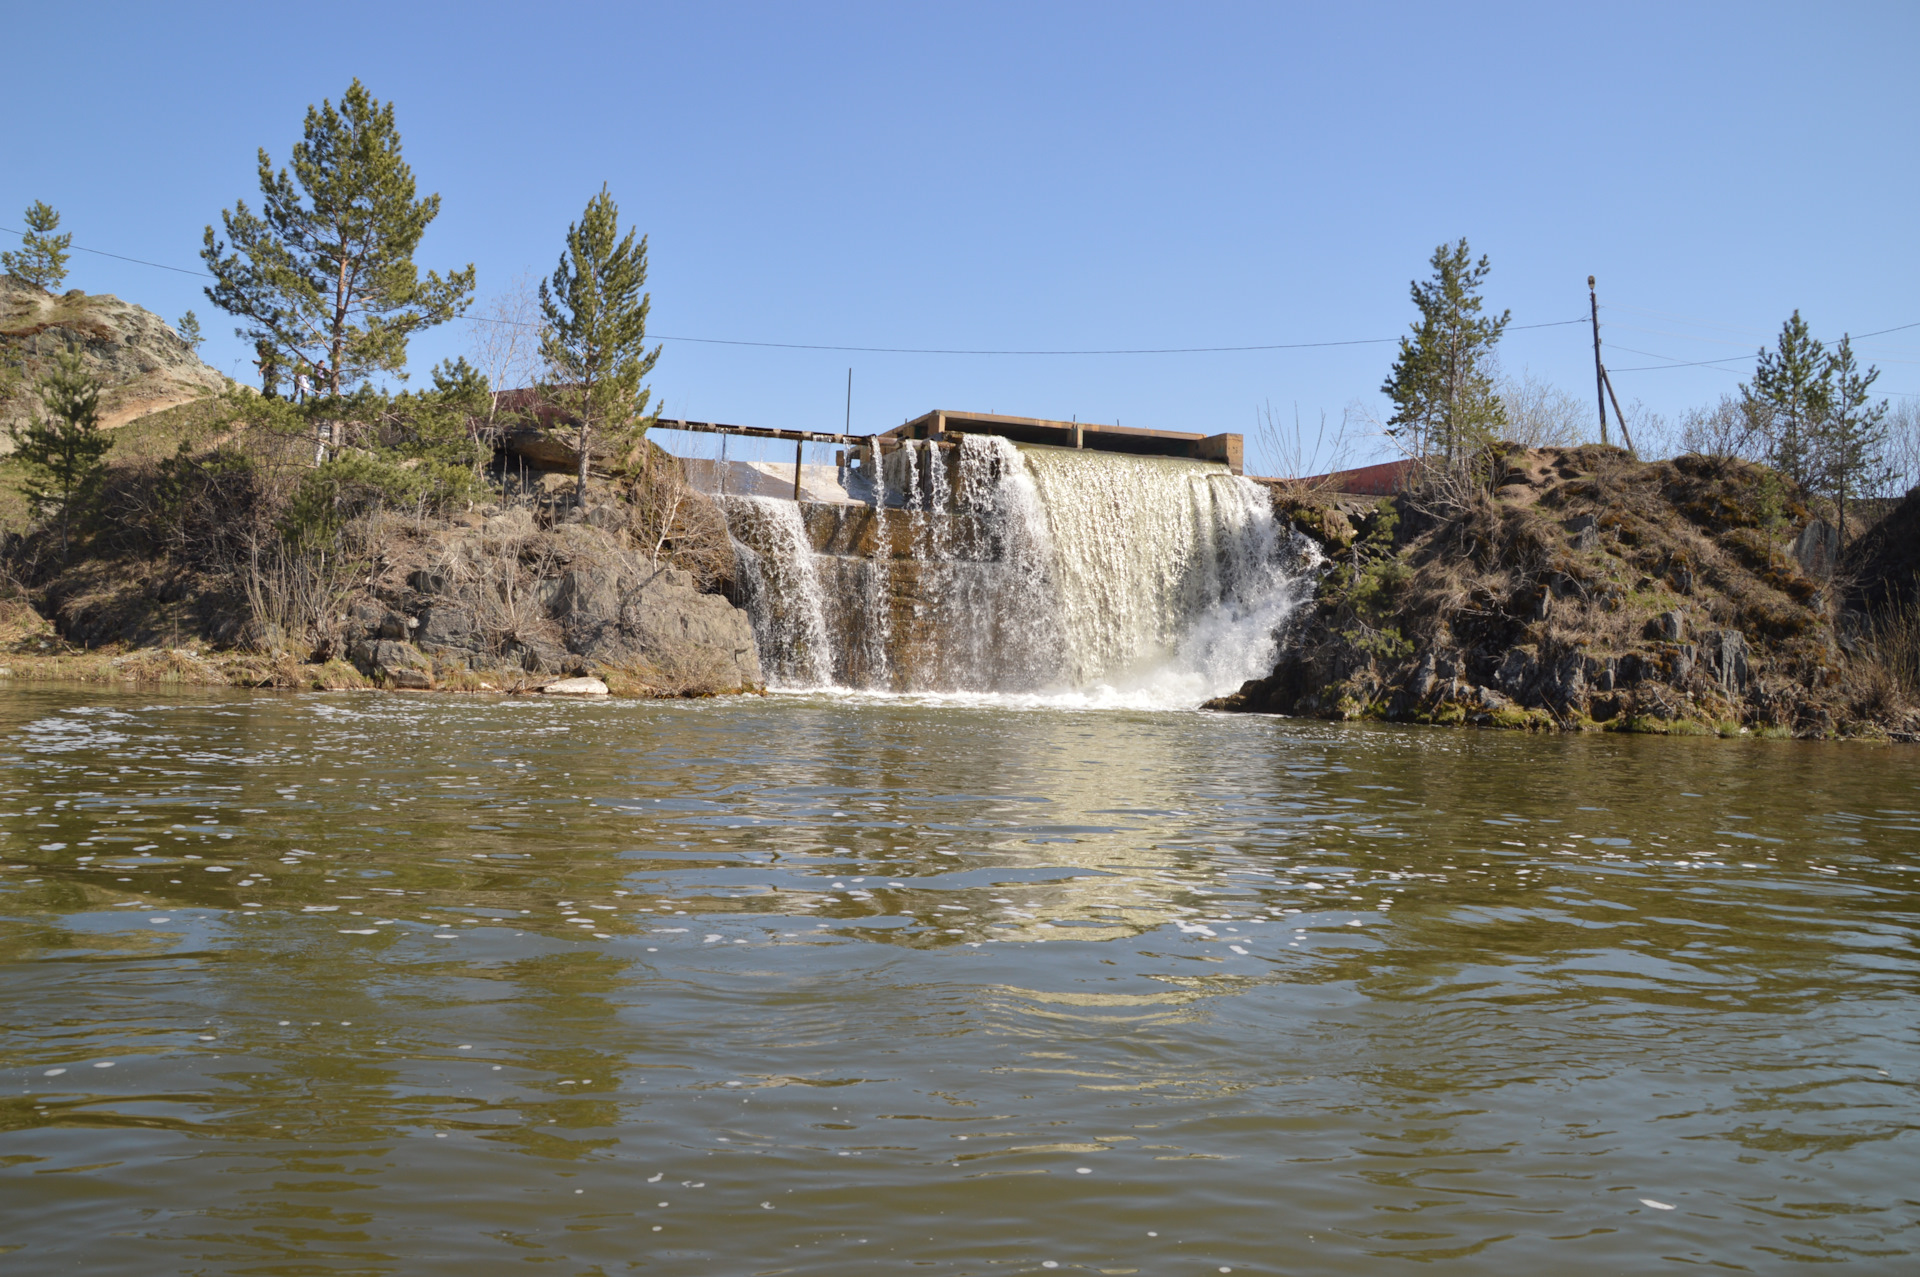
x: 985, y: 566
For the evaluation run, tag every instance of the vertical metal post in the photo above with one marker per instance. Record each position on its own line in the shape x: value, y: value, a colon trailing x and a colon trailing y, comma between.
x: 849, y: 425
x: 798, y: 448
x: 1599, y: 372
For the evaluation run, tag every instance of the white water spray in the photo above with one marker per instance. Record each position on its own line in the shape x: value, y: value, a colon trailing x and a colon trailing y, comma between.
x: 1057, y: 575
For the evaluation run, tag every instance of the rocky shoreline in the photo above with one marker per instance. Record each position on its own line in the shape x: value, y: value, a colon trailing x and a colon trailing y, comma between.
x: 1585, y: 590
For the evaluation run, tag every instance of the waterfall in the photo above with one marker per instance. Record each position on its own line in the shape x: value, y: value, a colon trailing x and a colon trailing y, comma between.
x: 991, y: 568
x: 780, y: 580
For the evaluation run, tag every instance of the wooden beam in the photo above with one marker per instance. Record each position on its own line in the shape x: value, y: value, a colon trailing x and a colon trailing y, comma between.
x: 767, y: 432
x: 756, y: 432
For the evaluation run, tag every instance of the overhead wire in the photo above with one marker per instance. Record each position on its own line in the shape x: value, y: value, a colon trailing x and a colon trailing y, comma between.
x: 900, y: 350
x: 1168, y: 350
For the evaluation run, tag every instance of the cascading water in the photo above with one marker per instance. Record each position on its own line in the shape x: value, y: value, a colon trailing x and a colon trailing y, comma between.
x: 1031, y: 571
x: 779, y: 578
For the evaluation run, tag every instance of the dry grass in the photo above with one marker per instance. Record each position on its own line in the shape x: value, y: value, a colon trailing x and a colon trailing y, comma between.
x: 1896, y: 641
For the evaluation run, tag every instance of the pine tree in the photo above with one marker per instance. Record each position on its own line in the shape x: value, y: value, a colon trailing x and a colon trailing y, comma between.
x: 42, y: 259
x: 595, y: 334
x: 323, y: 276
x: 63, y: 451
x: 189, y: 330
x: 1795, y: 383
x: 1442, y: 383
x: 1851, y: 435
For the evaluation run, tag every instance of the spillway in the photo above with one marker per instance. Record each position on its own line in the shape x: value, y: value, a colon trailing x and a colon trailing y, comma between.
x: 998, y: 568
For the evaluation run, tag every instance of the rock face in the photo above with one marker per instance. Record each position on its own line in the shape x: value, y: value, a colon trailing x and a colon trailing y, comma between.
x: 142, y: 363
x: 511, y: 598
x: 1883, y: 566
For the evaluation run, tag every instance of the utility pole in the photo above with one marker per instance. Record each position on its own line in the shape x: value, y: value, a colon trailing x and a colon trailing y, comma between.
x: 1599, y: 372
x: 1621, y: 416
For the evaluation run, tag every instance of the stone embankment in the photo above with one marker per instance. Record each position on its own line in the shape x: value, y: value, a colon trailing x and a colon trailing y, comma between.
x: 1584, y: 590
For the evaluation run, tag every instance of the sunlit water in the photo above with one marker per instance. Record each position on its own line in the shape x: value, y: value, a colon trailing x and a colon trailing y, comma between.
x: 379, y: 984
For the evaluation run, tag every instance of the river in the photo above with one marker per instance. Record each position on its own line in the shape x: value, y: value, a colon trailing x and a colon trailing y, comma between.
x: 815, y: 984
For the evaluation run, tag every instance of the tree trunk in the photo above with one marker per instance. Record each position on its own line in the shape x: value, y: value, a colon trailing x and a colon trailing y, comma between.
x: 580, y: 487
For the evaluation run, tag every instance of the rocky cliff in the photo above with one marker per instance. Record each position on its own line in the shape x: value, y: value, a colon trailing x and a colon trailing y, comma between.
x: 142, y: 363
x: 498, y: 594
x: 1584, y: 589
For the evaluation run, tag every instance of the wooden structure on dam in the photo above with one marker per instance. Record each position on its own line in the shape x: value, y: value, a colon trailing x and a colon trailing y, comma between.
x: 1225, y: 448
x: 944, y: 428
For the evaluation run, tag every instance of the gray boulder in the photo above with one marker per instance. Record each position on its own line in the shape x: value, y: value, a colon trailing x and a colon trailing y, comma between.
x: 400, y: 664
x: 659, y: 618
x: 446, y: 624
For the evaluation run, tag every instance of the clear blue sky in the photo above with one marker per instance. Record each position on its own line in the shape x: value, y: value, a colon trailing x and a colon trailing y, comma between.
x: 1049, y: 176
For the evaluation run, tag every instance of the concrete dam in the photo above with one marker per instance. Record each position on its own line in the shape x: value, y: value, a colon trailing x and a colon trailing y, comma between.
x: 1010, y: 556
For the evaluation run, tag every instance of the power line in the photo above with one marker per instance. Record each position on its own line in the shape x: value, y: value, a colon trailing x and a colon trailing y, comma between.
x: 1661, y: 332
x: 1882, y: 332
x: 1715, y: 365
x: 891, y: 350
x: 1698, y: 363
x: 1171, y: 350
x: 138, y: 261
x: 1687, y: 319
x: 914, y: 350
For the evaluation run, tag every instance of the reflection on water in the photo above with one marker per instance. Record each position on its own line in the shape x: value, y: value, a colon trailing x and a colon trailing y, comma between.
x: 376, y: 984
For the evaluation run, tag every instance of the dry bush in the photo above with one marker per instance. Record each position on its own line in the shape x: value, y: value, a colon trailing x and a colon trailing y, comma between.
x: 497, y: 577
x: 1896, y: 644
x: 294, y: 595
x: 1444, y: 488
x: 1305, y: 465
x: 669, y: 519
x: 1541, y: 414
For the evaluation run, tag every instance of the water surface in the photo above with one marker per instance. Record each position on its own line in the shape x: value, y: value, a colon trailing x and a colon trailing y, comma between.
x: 385, y: 984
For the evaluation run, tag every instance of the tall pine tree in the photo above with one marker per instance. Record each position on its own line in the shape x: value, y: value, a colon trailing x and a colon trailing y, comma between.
x: 1442, y: 383
x: 595, y: 333
x: 323, y: 276
x: 1793, y: 383
x: 1851, y: 435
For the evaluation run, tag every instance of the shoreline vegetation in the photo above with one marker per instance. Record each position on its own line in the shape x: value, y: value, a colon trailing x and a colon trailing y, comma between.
x: 1581, y: 589
x: 161, y: 525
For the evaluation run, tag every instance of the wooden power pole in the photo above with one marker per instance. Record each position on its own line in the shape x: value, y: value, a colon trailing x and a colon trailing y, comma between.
x: 1599, y: 372
x: 1603, y: 384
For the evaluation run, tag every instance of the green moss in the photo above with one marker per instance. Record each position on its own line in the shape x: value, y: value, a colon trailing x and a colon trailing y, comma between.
x: 1513, y: 718
x: 1639, y: 724
x: 333, y: 676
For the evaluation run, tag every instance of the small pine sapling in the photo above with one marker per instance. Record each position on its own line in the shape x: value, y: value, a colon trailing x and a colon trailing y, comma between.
x: 42, y: 259
x: 64, y: 452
